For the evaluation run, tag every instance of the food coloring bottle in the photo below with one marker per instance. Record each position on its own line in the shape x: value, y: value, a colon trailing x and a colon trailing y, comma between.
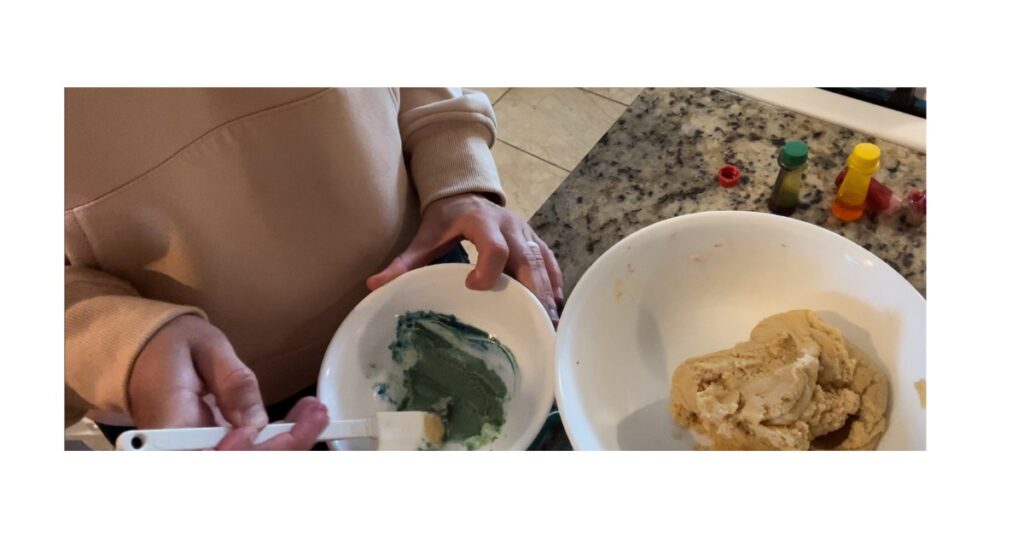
x: 786, y: 192
x: 852, y: 194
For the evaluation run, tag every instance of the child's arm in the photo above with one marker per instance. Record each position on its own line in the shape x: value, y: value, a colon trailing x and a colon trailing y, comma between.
x: 106, y: 325
x: 447, y: 134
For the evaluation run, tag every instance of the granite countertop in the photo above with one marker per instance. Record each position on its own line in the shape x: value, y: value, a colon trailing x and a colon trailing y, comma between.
x: 660, y: 159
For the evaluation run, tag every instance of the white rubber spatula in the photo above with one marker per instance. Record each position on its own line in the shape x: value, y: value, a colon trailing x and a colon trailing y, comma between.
x: 396, y: 430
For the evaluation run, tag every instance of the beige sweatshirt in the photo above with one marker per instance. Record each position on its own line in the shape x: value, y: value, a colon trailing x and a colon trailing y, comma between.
x: 264, y: 210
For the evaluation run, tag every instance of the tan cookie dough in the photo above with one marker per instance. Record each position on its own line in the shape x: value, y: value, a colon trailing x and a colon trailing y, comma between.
x: 796, y: 380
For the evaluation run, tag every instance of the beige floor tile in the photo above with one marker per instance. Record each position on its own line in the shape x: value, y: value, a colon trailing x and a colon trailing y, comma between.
x: 492, y: 93
x: 560, y: 125
x: 622, y: 95
x: 527, y: 180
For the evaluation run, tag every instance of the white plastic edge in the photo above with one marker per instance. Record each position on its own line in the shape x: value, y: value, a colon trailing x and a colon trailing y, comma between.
x: 898, y: 127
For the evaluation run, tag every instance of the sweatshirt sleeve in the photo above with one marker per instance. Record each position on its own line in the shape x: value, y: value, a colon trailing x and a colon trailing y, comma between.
x: 447, y: 134
x: 106, y: 325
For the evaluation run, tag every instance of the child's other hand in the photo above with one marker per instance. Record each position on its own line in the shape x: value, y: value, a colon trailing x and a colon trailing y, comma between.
x: 502, y: 239
x: 189, y: 358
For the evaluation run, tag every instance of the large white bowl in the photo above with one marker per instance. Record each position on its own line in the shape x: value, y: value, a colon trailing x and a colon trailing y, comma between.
x: 698, y: 283
x: 509, y: 312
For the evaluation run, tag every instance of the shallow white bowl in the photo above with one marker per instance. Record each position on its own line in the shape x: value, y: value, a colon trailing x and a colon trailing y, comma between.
x: 698, y: 283
x: 509, y: 312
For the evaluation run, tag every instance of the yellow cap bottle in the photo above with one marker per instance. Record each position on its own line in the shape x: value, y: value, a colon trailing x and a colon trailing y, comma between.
x: 860, y: 166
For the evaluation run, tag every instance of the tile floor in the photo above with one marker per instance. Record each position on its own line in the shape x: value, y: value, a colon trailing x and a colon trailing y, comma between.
x: 543, y: 133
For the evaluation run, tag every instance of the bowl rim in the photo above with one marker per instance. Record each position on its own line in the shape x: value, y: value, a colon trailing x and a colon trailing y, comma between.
x: 569, y: 309
x: 537, y: 421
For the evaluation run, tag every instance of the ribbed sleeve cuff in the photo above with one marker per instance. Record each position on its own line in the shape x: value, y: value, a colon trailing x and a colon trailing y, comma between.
x: 452, y: 158
x: 103, y: 337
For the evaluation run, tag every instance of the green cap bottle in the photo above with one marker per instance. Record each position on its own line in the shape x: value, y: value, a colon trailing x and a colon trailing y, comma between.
x: 786, y: 192
x: 794, y: 154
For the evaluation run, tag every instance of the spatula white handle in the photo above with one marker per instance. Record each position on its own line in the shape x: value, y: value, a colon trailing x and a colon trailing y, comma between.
x: 204, y: 438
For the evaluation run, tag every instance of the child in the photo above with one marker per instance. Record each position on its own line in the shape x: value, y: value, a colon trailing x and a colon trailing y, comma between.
x: 216, y: 238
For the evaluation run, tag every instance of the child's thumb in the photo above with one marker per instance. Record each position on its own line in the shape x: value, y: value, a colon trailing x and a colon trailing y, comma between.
x: 234, y: 386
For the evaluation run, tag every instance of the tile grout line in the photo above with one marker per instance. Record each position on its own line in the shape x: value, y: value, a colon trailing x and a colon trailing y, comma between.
x: 532, y: 155
x: 503, y: 94
x: 603, y: 97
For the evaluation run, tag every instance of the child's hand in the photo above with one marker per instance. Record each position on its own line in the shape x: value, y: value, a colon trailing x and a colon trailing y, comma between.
x: 503, y: 240
x: 188, y: 358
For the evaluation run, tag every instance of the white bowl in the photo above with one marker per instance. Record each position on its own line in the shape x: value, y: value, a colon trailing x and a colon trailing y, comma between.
x: 698, y: 283
x: 509, y: 312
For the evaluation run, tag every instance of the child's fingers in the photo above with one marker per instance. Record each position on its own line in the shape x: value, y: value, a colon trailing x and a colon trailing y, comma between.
x: 310, y: 420
x: 233, y: 384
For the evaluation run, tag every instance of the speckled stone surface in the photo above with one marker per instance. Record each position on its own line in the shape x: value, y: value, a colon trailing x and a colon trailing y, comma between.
x: 661, y: 157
